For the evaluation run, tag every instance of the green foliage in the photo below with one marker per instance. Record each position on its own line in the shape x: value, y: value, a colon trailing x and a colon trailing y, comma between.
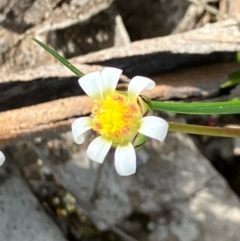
x: 206, y: 108
x: 238, y: 57
x: 59, y: 58
x: 233, y: 80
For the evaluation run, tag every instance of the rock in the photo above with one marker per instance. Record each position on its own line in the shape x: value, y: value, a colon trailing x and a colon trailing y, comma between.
x: 22, y: 217
x: 237, y: 146
x: 151, y: 19
x: 175, y: 186
x: 88, y: 26
x: 212, y: 43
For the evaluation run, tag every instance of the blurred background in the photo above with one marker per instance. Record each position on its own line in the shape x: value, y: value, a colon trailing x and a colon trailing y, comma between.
x: 185, y: 189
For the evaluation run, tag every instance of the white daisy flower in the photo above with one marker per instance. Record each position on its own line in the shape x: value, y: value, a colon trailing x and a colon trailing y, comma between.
x: 119, y: 118
x: 2, y: 158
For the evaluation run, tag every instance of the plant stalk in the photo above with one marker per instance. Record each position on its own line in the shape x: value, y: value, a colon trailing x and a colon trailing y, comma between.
x: 204, y: 130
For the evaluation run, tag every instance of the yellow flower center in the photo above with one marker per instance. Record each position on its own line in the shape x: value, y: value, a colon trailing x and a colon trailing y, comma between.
x: 117, y: 117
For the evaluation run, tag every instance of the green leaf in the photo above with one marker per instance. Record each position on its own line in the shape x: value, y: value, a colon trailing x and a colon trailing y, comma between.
x: 233, y: 80
x: 209, y: 108
x: 59, y: 58
x: 238, y: 57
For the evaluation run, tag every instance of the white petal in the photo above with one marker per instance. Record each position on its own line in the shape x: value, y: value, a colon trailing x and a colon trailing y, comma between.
x: 98, y: 149
x: 2, y: 158
x: 79, y: 126
x: 110, y: 77
x: 138, y: 84
x: 125, y: 160
x: 154, y: 127
x: 90, y: 83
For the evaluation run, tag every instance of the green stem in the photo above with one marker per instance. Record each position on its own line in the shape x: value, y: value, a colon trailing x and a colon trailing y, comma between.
x: 204, y: 130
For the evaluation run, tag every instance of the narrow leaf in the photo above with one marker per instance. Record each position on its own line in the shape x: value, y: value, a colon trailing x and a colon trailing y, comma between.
x: 209, y: 108
x: 59, y: 58
x: 233, y: 80
x: 238, y: 57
